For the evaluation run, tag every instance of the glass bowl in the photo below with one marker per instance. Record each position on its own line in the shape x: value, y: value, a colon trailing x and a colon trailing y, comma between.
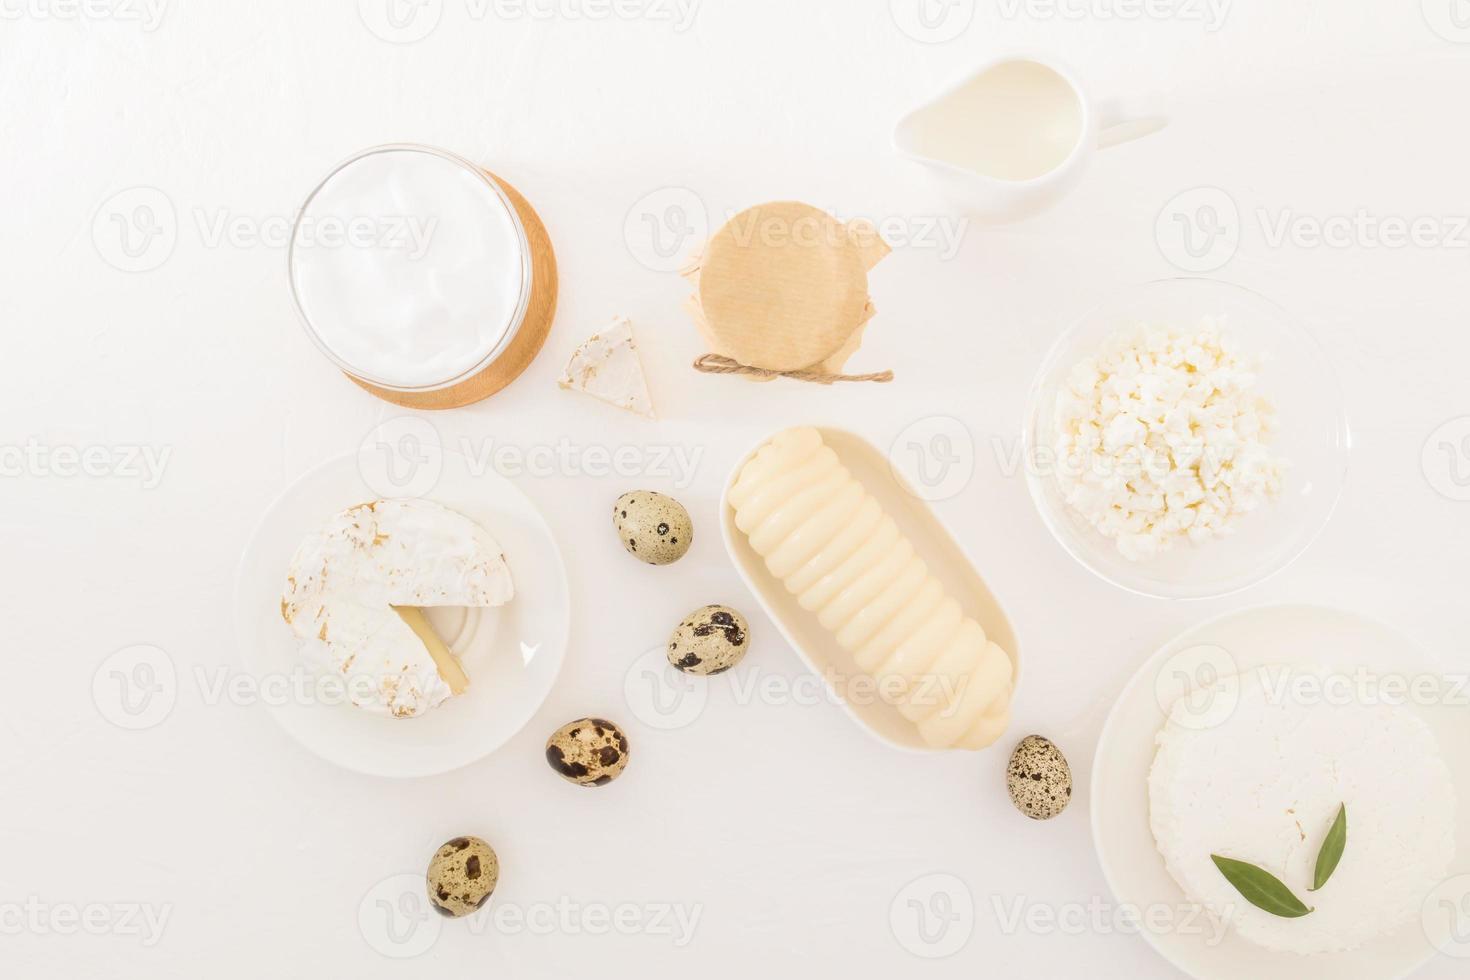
x: 1313, y: 438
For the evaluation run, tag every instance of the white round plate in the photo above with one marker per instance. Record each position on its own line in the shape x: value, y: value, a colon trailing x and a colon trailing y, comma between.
x: 1289, y: 636
x: 512, y: 654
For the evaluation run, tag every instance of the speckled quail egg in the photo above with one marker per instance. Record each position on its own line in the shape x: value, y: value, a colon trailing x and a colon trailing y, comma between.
x: 1039, y: 779
x: 589, y: 752
x: 710, y: 641
x: 462, y: 875
x: 653, y: 527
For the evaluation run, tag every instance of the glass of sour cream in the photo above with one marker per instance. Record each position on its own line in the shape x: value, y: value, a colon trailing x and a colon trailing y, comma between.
x: 411, y: 268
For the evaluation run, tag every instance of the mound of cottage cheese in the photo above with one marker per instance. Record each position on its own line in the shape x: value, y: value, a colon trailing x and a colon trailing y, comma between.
x: 1162, y: 436
x: 1250, y: 769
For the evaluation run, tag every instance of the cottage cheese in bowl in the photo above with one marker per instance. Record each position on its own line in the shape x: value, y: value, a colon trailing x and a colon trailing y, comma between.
x: 1186, y: 439
x: 1162, y: 437
x: 1256, y: 767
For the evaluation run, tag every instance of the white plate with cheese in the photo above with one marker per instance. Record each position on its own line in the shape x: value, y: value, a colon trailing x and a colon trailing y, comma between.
x: 917, y: 610
x: 511, y: 653
x: 1243, y: 737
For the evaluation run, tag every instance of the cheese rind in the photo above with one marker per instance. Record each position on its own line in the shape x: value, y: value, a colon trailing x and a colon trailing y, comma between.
x: 607, y: 367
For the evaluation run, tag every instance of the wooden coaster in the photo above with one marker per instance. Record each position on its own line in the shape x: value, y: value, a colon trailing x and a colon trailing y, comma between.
x: 528, y: 340
x: 783, y: 287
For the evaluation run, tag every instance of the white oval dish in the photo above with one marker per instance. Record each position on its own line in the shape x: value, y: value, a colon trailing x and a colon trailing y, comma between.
x: 1288, y: 636
x: 933, y: 541
x: 513, y: 654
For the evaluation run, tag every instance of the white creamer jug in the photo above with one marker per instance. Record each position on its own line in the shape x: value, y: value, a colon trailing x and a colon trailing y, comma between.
x: 1014, y: 136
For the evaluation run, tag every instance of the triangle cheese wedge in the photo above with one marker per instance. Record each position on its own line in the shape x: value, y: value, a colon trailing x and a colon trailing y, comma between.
x: 607, y: 367
x: 445, y: 662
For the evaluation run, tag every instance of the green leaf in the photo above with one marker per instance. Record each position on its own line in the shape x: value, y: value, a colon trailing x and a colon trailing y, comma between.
x: 1261, y: 888
x: 1332, y: 849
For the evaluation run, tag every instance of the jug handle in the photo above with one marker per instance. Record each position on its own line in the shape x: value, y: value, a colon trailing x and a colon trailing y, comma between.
x: 1119, y: 121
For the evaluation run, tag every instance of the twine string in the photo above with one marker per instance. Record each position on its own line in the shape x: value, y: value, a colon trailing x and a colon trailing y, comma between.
x: 720, y: 364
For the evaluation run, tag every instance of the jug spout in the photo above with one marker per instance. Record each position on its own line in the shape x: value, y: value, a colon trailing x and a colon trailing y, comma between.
x: 905, y: 137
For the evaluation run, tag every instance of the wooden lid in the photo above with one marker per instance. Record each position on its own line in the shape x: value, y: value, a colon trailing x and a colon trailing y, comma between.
x: 784, y: 286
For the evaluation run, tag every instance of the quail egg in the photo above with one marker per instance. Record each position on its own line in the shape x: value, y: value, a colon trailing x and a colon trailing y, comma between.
x: 653, y: 527
x: 589, y: 752
x: 709, y: 641
x: 462, y: 875
x: 1039, y: 779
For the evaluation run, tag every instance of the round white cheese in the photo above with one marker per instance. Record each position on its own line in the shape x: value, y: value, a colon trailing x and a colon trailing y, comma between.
x: 347, y: 581
x: 1256, y: 769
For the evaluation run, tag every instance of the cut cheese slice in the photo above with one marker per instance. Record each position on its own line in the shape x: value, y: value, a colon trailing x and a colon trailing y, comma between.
x: 444, y: 661
x: 351, y: 579
x: 607, y: 367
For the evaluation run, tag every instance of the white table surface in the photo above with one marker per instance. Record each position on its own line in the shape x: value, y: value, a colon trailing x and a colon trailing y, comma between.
x: 785, y: 829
